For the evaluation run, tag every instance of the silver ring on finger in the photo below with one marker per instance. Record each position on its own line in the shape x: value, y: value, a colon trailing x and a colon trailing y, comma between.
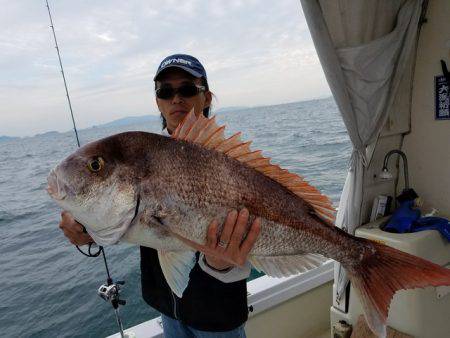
x: 222, y: 244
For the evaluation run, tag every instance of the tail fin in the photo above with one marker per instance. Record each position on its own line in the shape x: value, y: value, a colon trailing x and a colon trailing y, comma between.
x: 388, y: 270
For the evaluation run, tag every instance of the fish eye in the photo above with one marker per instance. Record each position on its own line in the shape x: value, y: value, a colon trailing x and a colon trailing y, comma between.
x: 96, y: 164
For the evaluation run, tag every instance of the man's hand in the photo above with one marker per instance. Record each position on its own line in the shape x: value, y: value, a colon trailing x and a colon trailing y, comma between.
x: 231, y: 246
x: 73, y: 230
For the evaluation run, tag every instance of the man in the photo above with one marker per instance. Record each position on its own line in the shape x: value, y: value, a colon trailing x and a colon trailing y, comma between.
x: 215, y: 302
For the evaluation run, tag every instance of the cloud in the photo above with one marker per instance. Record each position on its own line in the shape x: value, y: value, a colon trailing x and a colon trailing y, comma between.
x: 106, y: 37
x: 256, y: 52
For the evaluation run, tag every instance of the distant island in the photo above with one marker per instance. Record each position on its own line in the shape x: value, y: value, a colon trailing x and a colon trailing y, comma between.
x: 128, y: 120
x: 144, y: 119
x: 7, y: 138
x: 48, y: 133
x: 152, y: 118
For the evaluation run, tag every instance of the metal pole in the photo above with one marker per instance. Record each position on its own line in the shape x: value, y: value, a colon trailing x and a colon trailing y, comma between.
x: 62, y: 72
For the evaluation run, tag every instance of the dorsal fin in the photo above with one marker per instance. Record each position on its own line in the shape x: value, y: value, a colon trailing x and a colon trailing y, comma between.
x: 205, y: 132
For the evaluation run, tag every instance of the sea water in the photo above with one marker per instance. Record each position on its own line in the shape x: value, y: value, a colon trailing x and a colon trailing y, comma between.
x: 48, y: 289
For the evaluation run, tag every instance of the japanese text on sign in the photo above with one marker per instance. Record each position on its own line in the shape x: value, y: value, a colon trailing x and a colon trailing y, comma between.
x: 442, y: 94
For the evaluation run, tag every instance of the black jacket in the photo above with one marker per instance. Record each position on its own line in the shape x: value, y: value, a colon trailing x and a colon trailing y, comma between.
x: 207, y: 303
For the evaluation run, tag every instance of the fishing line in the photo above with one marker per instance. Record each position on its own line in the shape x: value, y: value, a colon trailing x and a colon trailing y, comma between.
x: 110, y: 290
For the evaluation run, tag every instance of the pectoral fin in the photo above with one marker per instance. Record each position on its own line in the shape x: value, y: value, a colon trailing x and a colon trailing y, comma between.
x: 282, y: 266
x: 176, y: 267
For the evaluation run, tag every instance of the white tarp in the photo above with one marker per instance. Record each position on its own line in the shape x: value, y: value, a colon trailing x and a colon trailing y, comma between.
x: 363, y: 47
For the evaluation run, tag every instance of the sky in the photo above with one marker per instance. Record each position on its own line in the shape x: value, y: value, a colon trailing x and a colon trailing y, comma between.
x: 256, y: 52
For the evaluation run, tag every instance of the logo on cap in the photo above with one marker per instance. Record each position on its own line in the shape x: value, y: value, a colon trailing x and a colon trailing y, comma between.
x: 178, y: 60
x: 186, y: 62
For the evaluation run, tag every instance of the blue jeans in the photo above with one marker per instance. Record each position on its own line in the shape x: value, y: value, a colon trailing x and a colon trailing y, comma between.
x: 175, y: 329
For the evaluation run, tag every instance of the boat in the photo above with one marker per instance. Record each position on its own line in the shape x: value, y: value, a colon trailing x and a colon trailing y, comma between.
x: 385, y: 62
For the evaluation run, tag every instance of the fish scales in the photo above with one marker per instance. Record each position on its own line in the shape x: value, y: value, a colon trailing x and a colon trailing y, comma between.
x: 210, y: 183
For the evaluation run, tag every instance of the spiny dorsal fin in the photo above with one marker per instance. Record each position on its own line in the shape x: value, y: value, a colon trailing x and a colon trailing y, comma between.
x: 205, y: 132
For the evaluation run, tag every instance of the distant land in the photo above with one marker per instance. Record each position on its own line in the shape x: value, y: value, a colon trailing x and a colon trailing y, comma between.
x: 152, y: 118
x: 48, y: 133
x: 116, y: 123
x: 7, y: 138
x: 128, y: 120
x: 145, y: 119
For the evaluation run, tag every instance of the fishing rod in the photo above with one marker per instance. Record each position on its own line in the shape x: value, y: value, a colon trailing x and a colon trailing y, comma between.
x: 109, y: 291
x: 62, y: 72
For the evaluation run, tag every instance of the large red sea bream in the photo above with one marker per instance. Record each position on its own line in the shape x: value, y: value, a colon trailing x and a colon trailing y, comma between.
x: 163, y: 193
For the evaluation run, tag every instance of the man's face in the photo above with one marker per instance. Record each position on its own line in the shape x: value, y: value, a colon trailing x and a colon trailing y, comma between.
x: 175, y: 109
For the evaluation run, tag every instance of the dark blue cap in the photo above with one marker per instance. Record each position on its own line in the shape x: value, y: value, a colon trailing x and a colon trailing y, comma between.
x: 183, y: 61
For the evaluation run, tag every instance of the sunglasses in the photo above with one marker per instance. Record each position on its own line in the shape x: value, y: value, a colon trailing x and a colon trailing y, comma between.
x: 186, y: 90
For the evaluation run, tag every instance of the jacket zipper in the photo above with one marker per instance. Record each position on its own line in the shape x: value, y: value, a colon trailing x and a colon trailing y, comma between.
x: 174, y: 305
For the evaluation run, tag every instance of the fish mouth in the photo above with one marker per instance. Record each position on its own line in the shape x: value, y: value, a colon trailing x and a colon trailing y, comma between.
x: 54, y: 187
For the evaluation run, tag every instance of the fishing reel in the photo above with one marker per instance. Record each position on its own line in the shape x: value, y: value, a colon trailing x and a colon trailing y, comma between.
x: 110, y: 292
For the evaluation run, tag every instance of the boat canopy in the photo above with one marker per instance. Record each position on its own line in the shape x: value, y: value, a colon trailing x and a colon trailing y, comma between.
x: 365, y: 48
